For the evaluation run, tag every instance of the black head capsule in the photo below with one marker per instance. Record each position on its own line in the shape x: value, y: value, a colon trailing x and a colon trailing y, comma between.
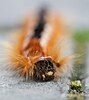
x: 44, y: 70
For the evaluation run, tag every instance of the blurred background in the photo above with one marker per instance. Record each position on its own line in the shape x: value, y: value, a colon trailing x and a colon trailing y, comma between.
x: 76, y: 13
x: 13, y: 11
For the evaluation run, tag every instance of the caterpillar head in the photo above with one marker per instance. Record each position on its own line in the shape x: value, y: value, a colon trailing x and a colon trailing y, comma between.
x: 44, y: 69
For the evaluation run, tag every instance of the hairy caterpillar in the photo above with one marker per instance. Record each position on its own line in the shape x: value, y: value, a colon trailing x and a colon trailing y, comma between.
x: 40, y: 50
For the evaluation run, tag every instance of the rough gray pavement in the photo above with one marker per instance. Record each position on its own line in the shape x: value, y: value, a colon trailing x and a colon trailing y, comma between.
x: 12, y: 88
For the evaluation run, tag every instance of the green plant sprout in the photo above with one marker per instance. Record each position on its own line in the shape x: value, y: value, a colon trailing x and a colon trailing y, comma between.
x: 75, y: 87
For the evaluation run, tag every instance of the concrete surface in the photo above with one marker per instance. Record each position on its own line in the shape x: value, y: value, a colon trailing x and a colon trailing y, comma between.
x: 12, y: 88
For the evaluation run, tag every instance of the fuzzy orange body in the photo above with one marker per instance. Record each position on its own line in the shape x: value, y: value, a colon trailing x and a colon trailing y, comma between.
x: 38, y: 50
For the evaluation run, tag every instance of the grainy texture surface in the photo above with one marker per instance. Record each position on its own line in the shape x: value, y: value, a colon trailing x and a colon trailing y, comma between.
x: 16, y: 89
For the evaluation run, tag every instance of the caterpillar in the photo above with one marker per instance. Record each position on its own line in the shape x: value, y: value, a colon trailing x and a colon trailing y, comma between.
x: 40, y: 50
